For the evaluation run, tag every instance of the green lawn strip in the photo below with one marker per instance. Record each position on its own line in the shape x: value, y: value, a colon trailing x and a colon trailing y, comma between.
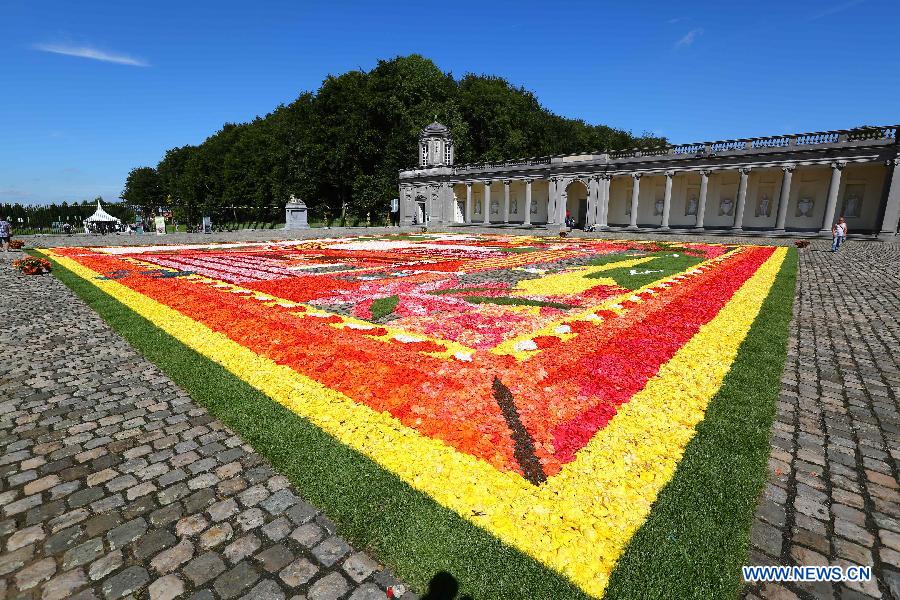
x: 374, y: 509
x: 506, y: 301
x: 696, y: 537
x: 382, y: 307
x: 662, y: 265
x: 605, y: 259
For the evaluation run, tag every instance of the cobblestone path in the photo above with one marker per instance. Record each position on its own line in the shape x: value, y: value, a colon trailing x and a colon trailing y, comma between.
x: 832, y: 496
x: 114, y: 483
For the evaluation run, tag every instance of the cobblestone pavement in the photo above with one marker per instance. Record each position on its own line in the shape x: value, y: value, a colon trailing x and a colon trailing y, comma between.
x: 832, y: 493
x: 114, y: 483
x: 111, y: 487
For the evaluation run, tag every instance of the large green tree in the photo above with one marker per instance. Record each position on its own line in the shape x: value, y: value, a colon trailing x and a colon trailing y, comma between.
x: 143, y: 189
x: 340, y: 149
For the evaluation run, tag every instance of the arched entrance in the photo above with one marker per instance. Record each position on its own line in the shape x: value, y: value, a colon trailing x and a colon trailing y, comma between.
x: 576, y: 202
x: 421, y: 215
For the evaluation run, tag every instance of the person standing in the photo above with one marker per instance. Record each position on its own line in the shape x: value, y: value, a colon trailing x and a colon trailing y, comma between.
x: 5, y: 233
x: 838, y: 234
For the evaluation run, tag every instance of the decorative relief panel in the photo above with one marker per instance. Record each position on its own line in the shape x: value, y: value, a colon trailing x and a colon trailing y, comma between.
x: 691, y: 201
x: 853, y: 198
x: 658, y: 207
x: 807, y: 202
x: 764, y: 200
x: 726, y: 206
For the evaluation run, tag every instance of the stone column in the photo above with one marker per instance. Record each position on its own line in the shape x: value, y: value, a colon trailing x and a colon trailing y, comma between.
x: 892, y: 208
x: 701, y: 203
x: 605, y: 184
x: 593, y: 198
x: 551, y: 201
x: 635, y: 194
x: 667, y: 202
x: 784, y: 198
x: 563, y: 203
x: 527, y: 202
x: 741, y: 200
x: 506, y: 183
x: 831, y: 204
x: 486, y: 204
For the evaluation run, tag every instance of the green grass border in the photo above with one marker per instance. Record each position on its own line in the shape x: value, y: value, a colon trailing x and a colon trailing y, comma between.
x: 680, y: 552
x: 696, y: 538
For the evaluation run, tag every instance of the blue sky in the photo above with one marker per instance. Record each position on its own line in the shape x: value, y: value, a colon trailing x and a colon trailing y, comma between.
x: 89, y: 90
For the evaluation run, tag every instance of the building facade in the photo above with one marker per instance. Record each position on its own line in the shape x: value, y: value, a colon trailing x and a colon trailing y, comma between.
x: 798, y: 183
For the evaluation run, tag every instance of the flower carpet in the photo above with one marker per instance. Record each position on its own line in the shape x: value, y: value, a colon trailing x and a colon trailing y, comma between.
x: 543, y: 390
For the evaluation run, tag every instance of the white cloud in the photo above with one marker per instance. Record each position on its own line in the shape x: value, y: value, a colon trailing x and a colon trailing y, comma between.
x: 835, y: 9
x: 92, y: 53
x: 689, y: 37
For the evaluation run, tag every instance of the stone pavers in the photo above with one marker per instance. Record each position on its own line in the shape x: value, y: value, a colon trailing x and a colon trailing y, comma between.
x: 114, y: 483
x: 832, y: 495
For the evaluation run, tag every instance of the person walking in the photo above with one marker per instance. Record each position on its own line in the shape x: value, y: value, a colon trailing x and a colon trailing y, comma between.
x: 838, y: 234
x: 5, y: 233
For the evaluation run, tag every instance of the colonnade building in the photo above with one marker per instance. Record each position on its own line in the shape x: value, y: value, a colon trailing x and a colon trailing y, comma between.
x: 775, y: 185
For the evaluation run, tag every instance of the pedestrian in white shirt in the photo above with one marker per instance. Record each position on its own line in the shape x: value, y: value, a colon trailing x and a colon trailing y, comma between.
x: 838, y: 234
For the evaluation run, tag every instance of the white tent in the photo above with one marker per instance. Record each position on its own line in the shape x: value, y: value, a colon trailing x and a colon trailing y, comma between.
x: 101, y: 216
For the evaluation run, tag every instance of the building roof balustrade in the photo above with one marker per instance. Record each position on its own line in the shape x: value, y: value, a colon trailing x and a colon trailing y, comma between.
x: 875, y: 135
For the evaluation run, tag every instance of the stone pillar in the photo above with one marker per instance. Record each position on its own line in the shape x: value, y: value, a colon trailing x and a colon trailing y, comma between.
x: 667, y: 202
x: 527, y: 202
x: 784, y: 198
x: 506, y: 183
x: 563, y: 202
x: 831, y: 204
x: 552, y: 201
x: 407, y: 206
x: 635, y: 194
x: 701, y: 203
x: 486, y: 203
x: 892, y: 208
x: 593, y: 198
x: 741, y: 200
x: 605, y: 183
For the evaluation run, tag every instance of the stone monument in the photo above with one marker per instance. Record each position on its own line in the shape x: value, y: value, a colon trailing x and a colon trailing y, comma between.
x: 295, y: 214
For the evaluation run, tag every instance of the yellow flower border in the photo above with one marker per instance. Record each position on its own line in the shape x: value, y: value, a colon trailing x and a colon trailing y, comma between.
x: 577, y: 523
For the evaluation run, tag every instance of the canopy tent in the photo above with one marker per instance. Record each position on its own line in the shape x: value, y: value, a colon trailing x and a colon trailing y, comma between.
x: 101, y: 216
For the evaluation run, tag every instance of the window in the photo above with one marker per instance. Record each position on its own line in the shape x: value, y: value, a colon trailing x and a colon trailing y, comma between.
x: 446, y: 153
x: 424, y: 154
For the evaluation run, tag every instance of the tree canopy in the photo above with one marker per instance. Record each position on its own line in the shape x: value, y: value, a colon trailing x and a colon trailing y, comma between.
x: 342, y: 147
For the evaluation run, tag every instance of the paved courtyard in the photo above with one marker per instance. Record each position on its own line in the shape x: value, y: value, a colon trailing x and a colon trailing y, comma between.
x: 113, y: 482
x: 832, y: 495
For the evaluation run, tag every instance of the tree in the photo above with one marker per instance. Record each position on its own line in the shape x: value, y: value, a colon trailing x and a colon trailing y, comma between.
x: 143, y: 189
x: 340, y: 149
